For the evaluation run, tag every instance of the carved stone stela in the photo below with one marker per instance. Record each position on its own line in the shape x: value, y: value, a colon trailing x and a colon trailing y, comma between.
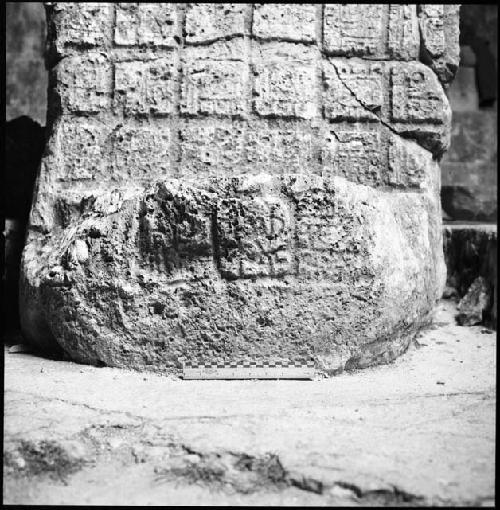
x: 239, y: 181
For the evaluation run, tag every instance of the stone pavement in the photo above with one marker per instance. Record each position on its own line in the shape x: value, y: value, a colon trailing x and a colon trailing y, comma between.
x: 420, y: 431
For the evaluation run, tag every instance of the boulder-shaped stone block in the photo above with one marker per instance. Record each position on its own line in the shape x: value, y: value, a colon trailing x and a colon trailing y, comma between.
x: 254, y: 266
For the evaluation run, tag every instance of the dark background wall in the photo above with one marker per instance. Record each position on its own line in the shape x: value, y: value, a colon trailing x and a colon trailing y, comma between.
x: 26, y: 80
x: 469, y: 169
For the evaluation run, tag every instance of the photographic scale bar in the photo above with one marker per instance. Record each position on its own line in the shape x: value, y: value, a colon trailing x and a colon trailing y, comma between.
x: 249, y: 371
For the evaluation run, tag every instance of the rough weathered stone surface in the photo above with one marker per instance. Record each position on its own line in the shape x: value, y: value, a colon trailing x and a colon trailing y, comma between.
x: 475, y: 304
x: 439, y: 38
x: 147, y: 440
x: 471, y: 254
x: 260, y: 185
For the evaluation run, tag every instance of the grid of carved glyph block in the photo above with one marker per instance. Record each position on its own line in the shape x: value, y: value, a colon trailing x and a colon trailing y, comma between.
x: 192, y: 90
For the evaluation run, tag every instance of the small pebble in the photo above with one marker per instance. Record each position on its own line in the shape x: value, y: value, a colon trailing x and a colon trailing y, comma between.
x: 20, y: 462
x: 81, y: 251
x: 440, y: 382
x: 115, y: 442
x: 19, y: 348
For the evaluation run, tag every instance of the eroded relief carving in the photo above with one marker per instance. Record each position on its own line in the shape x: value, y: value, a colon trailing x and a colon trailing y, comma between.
x: 249, y: 178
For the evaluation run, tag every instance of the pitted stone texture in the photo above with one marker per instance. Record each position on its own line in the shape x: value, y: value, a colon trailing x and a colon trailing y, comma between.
x: 146, y: 24
x: 236, y: 70
x: 294, y: 22
x: 248, y: 267
x: 231, y: 180
x: 439, y: 38
x: 81, y: 24
x: 84, y: 84
x: 214, y: 87
x: 358, y: 30
x: 145, y: 87
x: 208, y: 22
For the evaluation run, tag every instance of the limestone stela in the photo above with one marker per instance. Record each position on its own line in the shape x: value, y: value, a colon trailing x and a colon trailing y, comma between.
x: 226, y: 182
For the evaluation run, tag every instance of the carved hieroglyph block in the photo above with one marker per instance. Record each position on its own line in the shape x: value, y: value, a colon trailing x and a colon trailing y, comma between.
x: 406, y: 168
x: 140, y: 150
x: 80, y: 24
x: 359, y: 30
x: 432, y: 26
x: 353, y: 29
x: 356, y: 154
x: 281, y: 148
x: 174, y: 233
x: 208, y: 22
x: 145, y: 87
x: 440, y: 49
x: 295, y: 22
x: 285, y: 89
x: 353, y: 91
x: 403, y: 33
x: 254, y: 237
x: 239, y: 181
x: 214, y: 149
x: 317, y: 234
x: 416, y: 96
x: 84, y: 84
x: 81, y: 150
x: 154, y: 24
x: 211, y: 87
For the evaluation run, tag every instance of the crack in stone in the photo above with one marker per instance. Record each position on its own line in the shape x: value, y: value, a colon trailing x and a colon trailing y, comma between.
x: 219, y: 469
x: 246, y: 474
x: 80, y: 404
x: 383, y: 497
x: 405, y: 398
x: 402, y: 136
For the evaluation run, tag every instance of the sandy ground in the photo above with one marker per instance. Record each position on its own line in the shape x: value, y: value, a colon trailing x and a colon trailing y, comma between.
x: 420, y: 431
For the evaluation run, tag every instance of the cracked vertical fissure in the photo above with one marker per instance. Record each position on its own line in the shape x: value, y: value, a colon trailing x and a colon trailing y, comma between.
x: 362, y: 104
x: 215, y: 238
x: 382, y: 122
